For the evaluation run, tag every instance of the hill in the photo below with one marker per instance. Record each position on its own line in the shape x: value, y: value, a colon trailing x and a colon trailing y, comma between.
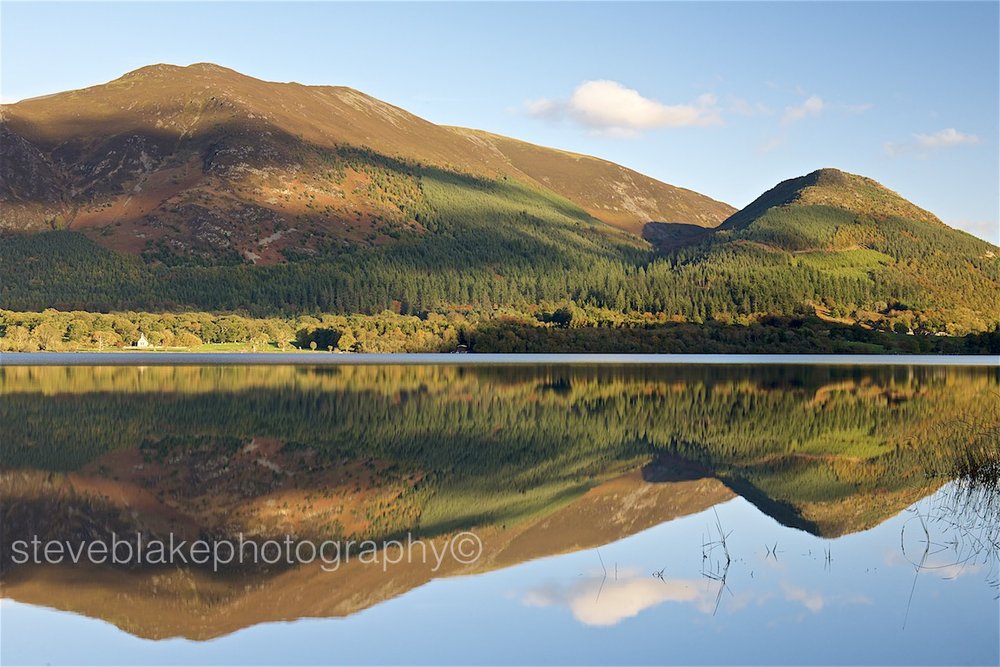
x: 882, y: 252
x: 836, y: 189
x: 848, y: 248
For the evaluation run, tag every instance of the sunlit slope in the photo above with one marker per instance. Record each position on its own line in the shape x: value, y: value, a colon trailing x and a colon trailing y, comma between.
x: 614, y: 194
x: 202, y: 188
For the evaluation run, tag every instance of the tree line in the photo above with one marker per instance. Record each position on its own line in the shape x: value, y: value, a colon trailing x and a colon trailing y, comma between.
x: 565, y: 328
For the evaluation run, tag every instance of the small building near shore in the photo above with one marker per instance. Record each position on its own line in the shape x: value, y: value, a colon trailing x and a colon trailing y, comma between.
x: 142, y: 343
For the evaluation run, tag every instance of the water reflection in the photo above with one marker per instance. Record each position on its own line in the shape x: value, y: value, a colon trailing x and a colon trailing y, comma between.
x: 694, y: 496
x: 602, y: 602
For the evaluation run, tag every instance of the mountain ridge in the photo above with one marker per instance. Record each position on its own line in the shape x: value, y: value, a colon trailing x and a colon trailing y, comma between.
x: 169, y: 106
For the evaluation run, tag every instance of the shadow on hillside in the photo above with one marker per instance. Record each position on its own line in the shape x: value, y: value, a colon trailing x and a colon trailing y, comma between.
x: 673, y: 235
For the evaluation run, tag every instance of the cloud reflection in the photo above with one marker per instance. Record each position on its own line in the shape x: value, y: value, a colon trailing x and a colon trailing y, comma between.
x: 595, y: 604
x: 602, y: 604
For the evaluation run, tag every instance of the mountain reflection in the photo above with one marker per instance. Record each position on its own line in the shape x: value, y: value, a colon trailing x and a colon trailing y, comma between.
x: 537, y: 461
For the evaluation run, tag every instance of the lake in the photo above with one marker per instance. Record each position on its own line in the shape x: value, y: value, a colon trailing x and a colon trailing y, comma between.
x: 603, y: 511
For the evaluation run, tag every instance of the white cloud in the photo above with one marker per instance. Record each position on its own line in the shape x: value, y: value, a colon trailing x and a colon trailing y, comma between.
x: 541, y: 107
x: 610, y: 108
x: 598, y: 601
x: 922, y: 144
x: 937, y: 565
x: 893, y: 149
x: 811, y: 106
x: 946, y: 137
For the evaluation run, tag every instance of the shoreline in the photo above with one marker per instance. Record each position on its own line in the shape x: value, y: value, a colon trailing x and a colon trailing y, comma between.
x: 136, y: 358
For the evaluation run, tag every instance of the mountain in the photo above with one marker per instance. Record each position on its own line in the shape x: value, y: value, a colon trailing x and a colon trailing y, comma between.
x: 201, y: 189
x: 204, y: 161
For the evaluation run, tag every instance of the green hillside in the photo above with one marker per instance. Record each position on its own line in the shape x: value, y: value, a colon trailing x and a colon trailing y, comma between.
x: 873, y: 253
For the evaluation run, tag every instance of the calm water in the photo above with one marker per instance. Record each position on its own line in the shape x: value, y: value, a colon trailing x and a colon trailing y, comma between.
x: 612, y: 514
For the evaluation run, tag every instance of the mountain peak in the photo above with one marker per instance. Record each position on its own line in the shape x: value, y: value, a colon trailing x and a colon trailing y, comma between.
x: 860, y: 195
x: 830, y: 187
x: 831, y: 177
x: 169, y: 69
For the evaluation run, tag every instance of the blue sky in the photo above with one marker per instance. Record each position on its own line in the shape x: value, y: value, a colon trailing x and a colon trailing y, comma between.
x: 726, y: 99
